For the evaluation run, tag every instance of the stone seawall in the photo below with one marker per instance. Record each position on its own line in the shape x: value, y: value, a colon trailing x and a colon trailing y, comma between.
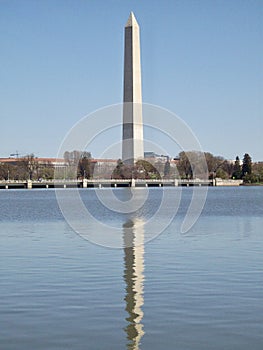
x: 221, y: 182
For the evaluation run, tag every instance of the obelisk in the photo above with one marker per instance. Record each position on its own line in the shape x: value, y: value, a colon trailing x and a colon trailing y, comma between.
x: 132, y: 138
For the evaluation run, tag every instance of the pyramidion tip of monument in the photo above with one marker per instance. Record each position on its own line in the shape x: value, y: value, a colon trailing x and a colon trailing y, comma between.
x: 132, y: 21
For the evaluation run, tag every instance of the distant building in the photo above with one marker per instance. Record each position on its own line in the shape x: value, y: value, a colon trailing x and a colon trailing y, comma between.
x: 56, y: 162
x: 156, y: 157
x: 103, y: 168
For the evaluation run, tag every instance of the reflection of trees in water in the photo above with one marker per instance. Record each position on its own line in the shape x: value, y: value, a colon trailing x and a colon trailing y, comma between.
x: 133, y: 234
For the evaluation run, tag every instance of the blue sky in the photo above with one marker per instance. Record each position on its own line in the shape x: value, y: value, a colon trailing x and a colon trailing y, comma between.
x: 63, y: 59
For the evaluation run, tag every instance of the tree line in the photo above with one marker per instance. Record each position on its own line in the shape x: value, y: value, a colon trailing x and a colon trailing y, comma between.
x: 187, y: 165
x: 27, y: 167
x: 217, y: 166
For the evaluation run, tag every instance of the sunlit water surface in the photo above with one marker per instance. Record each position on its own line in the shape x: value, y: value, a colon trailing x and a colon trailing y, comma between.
x: 198, y: 290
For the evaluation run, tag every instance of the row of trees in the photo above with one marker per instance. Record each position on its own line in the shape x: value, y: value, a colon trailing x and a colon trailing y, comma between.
x: 191, y: 162
x: 141, y: 170
x: 27, y: 167
x: 187, y: 165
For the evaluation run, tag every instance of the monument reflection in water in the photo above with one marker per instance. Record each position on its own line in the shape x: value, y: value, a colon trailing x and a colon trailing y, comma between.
x: 133, y: 239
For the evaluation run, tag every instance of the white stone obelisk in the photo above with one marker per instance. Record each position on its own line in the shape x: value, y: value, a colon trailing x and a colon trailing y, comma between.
x: 132, y: 138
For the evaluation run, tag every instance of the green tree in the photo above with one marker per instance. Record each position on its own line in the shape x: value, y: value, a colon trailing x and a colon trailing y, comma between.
x: 222, y: 174
x: 247, y: 165
x: 217, y: 166
x: 145, y: 170
x: 237, y: 171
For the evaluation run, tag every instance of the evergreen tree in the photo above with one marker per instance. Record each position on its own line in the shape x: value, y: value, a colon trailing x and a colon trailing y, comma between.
x: 237, y: 172
x: 247, y: 165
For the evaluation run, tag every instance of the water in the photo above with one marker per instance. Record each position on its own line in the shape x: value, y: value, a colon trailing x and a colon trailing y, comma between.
x: 198, y: 290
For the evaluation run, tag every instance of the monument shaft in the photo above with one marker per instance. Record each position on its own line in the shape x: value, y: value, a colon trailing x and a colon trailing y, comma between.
x: 132, y: 140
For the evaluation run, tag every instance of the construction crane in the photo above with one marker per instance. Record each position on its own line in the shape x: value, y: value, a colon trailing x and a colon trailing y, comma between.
x: 15, y: 154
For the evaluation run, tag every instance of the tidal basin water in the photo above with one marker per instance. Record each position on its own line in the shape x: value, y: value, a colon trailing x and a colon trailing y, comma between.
x: 198, y: 290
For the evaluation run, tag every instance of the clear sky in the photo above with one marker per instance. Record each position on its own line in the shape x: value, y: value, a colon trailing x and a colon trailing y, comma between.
x: 62, y: 59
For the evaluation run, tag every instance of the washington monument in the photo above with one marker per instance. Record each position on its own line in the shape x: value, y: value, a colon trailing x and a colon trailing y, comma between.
x: 132, y: 137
